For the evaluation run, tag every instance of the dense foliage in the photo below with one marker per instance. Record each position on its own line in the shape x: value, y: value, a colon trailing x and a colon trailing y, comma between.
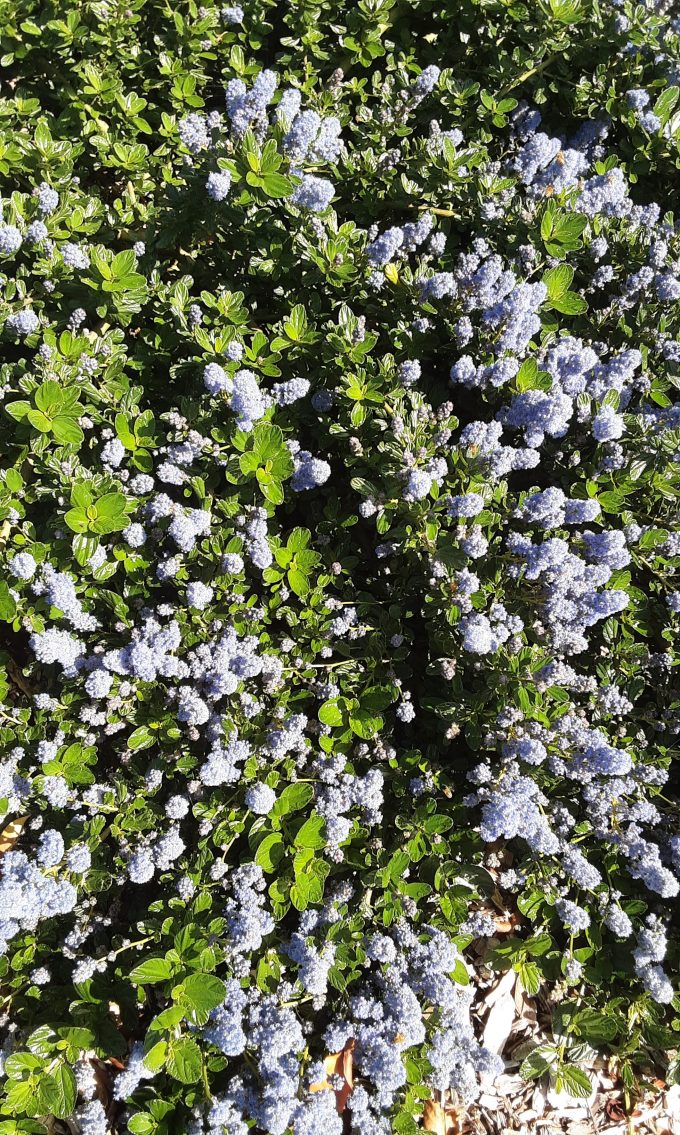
x: 339, y: 505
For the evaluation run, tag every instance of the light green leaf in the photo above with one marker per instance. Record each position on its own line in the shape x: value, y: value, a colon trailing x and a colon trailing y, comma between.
x: 298, y: 539
x: 76, y: 519
x: 48, y: 397
x: 270, y: 852
x: 58, y: 1092
x: 40, y: 421
x: 154, y: 1057
x: 570, y: 303
x: 66, y: 430
x: 663, y: 107
x: 276, y: 185
x: 184, y: 1062
x: 330, y: 712
x: 141, y: 738
x: 557, y: 281
x: 203, y: 991
x: 297, y: 581
x: 18, y: 410
x: 311, y: 834
x: 538, y: 1062
x: 575, y: 1080
x: 292, y: 799
x: 151, y: 971
x: 267, y: 442
x: 8, y: 606
x: 365, y: 724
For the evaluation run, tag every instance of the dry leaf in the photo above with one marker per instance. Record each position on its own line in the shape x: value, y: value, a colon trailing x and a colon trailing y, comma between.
x: 17, y: 677
x: 434, y: 1117
x: 443, y: 1120
x: 104, y: 1077
x: 11, y: 833
x: 613, y: 1110
x: 338, y: 1064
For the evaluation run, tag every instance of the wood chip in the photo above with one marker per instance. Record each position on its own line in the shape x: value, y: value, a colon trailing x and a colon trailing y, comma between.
x: 501, y: 1015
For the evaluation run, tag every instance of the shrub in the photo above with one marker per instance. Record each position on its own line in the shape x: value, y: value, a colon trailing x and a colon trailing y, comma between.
x: 339, y: 536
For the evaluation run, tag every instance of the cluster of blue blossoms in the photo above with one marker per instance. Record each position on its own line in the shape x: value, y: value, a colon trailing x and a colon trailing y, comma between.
x: 355, y: 563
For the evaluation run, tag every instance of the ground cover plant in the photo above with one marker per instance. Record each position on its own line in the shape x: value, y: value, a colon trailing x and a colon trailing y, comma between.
x: 339, y: 547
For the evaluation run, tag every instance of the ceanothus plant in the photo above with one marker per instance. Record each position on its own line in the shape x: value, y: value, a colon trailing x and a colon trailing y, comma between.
x: 339, y: 542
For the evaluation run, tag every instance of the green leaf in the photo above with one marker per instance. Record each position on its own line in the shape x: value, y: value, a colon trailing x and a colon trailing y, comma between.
x: 594, y: 1025
x: 297, y: 581
x: 300, y: 892
x: 49, y: 397
x: 248, y: 463
x: 151, y: 971
x: 377, y: 698
x: 81, y: 495
x: 18, y: 410
x: 569, y: 227
x: 529, y: 377
x: 365, y: 724
x: 66, y: 430
x: 123, y: 263
x: 276, y: 185
x: 538, y: 946
x: 22, y: 1096
x: 184, y: 1062
x: 298, y: 539
x: 124, y: 433
x: 570, y: 303
x: 58, y: 1092
x: 292, y: 799
x: 40, y: 421
x: 548, y: 220
x: 272, y: 491
x: 170, y: 1018
x: 141, y: 738
x: 435, y: 825
x: 14, y: 480
x: 665, y: 103
x: 270, y: 852
x: 296, y: 326
x: 567, y: 11
x: 154, y: 1056
x: 141, y: 1123
x: 41, y: 1041
x: 84, y: 548
x: 311, y: 834
x: 330, y: 712
x: 529, y: 976
x: 530, y: 904
x: 267, y: 442
x: 8, y: 606
x: 111, y: 514
x: 203, y: 991
x: 76, y: 519
x: 270, y: 159
x: 282, y: 465
x: 574, y: 1080
x: 19, y: 1062
x: 110, y: 505
x: 557, y: 281
x: 538, y: 1062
